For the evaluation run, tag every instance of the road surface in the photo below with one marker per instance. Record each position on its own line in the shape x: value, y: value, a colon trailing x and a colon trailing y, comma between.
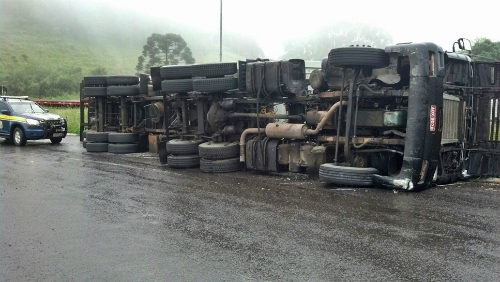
x: 69, y: 215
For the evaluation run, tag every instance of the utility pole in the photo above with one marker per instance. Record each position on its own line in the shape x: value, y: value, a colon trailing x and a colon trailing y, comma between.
x: 220, y: 43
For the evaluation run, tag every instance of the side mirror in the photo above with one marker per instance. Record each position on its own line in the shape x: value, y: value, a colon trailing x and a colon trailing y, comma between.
x: 46, y: 110
x: 5, y: 112
x: 461, y: 44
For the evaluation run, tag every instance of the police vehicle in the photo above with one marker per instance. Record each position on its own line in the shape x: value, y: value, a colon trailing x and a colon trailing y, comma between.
x: 22, y: 119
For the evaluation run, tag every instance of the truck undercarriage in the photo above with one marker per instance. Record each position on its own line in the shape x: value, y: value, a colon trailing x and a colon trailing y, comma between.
x: 404, y: 117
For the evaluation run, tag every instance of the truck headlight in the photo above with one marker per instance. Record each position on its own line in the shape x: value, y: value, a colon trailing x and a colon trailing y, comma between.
x: 32, y: 121
x: 63, y: 121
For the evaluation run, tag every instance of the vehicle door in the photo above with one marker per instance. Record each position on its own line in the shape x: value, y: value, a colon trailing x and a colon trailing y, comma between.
x: 4, y: 119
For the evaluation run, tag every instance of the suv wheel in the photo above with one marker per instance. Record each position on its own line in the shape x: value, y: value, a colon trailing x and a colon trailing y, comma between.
x: 19, y: 138
x: 56, y: 140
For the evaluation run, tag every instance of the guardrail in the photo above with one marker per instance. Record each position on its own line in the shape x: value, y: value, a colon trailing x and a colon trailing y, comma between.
x: 60, y: 103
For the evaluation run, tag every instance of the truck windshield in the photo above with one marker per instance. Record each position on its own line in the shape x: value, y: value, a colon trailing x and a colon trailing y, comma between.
x: 27, y: 107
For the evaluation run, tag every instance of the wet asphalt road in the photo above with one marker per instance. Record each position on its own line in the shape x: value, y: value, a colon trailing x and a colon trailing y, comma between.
x: 69, y: 215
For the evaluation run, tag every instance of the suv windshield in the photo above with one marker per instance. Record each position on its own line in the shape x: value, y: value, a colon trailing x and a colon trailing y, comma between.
x: 26, y: 107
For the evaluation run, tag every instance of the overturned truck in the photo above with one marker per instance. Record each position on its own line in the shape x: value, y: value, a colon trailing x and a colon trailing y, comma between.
x: 404, y: 117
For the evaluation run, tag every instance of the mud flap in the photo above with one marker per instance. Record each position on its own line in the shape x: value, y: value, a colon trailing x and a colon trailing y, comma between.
x: 162, y: 151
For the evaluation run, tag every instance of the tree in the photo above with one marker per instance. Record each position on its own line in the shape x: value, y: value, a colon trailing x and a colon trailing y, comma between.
x: 168, y: 49
x: 336, y: 35
x: 484, y: 49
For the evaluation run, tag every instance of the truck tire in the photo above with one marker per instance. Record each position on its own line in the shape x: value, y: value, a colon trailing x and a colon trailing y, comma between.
x: 358, y: 57
x: 97, y: 136
x: 122, y: 80
x: 118, y: 137
x: 84, y: 143
x: 176, y: 72
x: 218, y: 151
x: 183, y: 161
x: 84, y: 133
x: 95, y: 91
x: 183, y: 147
x: 96, y: 147
x: 94, y: 80
x: 215, y: 84
x: 219, y: 166
x: 123, y: 148
x: 19, y: 137
x: 177, y: 85
x: 130, y: 90
x: 214, y: 70
x: 344, y: 175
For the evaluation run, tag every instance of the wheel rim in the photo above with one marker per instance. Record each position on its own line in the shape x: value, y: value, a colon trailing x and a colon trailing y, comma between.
x: 17, y: 137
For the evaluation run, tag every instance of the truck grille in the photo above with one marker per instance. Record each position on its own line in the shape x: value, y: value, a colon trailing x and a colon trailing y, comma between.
x: 494, y: 134
x: 453, y: 119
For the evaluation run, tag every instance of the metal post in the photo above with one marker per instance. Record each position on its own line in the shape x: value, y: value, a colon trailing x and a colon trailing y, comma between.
x: 185, y: 115
x: 82, y: 111
x: 201, y: 115
x: 220, y: 44
x: 123, y: 114
x: 100, y: 112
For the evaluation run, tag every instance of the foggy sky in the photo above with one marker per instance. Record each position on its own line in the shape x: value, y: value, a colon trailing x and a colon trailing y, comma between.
x: 271, y: 22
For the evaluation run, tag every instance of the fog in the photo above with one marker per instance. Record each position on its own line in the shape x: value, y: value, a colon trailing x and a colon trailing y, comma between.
x: 269, y: 22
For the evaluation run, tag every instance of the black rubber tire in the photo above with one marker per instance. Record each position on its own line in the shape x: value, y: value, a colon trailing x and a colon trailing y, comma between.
x: 130, y: 90
x: 358, y: 57
x: 84, y: 143
x: 177, y: 85
x: 183, y: 161
x: 218, y: 151
x: 183, y: 147
x: 95, y: 80
x: 218, y: 166
x: 56, y: 140
x: 95, y: 91
x: 123, y: 148
x: 97, y: 136
x: 19, y: 140
x: 215, y: 84
x: 214, y: 70
x: 96, y: 147
x: 176, y: 72
x: 122, y: 80
x: 119, y: 137
x: 84, y: 133
x: 344, y: 175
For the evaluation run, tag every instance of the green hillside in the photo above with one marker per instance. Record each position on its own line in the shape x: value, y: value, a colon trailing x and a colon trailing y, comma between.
x: 37, y: 46
x: 47, y: 47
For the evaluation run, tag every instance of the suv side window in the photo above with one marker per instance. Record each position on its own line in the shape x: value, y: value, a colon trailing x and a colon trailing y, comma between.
x: 3, y: 106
